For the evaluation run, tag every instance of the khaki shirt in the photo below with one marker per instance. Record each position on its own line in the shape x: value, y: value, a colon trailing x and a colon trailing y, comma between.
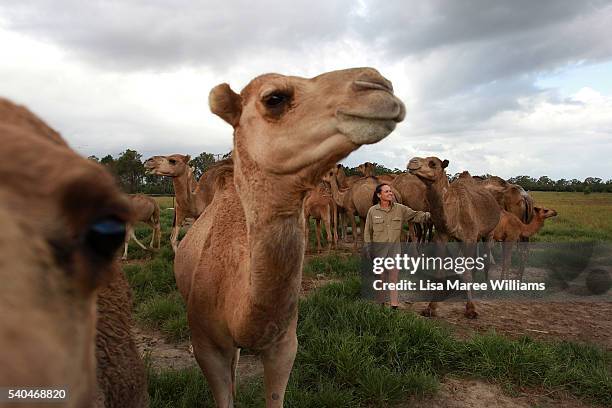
x: 385, y: 224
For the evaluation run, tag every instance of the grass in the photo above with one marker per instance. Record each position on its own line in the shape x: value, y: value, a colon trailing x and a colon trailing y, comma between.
x: 355, y: 354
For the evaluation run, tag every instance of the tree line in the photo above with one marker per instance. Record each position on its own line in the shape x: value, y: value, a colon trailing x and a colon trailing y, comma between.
x: 128, y: 168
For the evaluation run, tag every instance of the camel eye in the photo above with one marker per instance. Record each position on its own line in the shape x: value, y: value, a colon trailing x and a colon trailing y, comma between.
x: 276, y: 99
x: 172, y: 161
x: 432, y: 164
x: 104, y: 236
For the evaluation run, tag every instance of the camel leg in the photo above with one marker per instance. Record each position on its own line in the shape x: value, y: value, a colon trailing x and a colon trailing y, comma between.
x: 412, y: 235
x: 128, y: 235
x: 335, y: 222
x: 133, y: 236
x: 218, y: 367
x: 523, y: 250
x: 432, y: 308
x: 278, y: 361
x: 469, y: 251
x: 158, y: 235
x: 318, y: 230
x: 354, y: 230
x: 306, y: 233
x: 507, y: 258
x: 174, y: 237
x: 327, y: 222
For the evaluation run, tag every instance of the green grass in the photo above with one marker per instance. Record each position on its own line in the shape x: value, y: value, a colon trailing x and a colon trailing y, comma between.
x: 355, y: 354
x: 580, y: 217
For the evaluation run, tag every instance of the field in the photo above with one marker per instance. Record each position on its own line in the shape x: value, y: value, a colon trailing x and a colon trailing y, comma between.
x: 353, y: 353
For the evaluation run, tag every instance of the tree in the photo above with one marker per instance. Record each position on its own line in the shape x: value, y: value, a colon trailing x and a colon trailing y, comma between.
x: 94, y: 158
x: 129, y: 171
x: 201, y: 163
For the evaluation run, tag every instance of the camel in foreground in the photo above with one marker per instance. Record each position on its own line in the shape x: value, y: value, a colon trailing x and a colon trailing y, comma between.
x: 320, y: 204
x: 191, y: 197
x: 462, y: 210
x: 145, y: 209
x: 63, y: 220
x: 511, y: 230
x: 239, y: 267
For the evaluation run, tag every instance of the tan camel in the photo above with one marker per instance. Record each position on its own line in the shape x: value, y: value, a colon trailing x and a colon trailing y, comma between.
x: 463, y: 210
x: 146, y: 210
x: 369, y: 170
x: 414, y: 195
x: 239, y: 267
x: 511, y: 197
x: 510, y: 230
x: 320, y: 204
x: 63, y: 220
x: 185, y: 189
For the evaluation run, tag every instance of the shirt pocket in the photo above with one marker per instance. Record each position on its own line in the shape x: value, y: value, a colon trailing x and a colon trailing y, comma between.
x: 396, y: 223
x: 378, y: 225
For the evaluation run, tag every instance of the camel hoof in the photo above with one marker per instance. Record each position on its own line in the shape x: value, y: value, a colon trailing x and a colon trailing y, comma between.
x: 428, y: 312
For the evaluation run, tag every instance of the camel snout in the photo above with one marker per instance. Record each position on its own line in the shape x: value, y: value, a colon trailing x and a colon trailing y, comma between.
x: 414, y: 164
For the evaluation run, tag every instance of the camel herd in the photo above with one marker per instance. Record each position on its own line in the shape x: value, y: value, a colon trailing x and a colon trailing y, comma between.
x: 67, y: 306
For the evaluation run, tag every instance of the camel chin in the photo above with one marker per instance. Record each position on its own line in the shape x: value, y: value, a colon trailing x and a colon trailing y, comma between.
x: 363, y: 131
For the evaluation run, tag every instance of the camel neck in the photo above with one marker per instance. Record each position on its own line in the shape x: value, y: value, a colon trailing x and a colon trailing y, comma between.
x: 527, y: 230
x: 435, y: 195
x: 273, y: 208
x: 336, y: 194
x: 182, y: 192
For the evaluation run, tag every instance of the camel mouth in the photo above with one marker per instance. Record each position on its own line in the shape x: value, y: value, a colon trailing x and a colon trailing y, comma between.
x: 371, y: 84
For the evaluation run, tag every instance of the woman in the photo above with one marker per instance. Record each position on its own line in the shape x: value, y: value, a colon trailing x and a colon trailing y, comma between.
x: 384, y: 225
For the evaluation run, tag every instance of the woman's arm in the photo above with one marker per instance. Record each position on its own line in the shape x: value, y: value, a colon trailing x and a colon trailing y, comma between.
x: 367, y: 229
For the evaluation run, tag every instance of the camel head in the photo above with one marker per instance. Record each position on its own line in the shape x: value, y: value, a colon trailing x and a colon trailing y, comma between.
x: 293, y: 125
x: 367, y: 169
x: 544, y: 213
x: 62, y: 221
x: 173, y: 165
x: 428, y: 169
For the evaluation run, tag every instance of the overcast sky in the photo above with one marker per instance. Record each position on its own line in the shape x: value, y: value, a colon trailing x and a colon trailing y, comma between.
x: 501, y: 87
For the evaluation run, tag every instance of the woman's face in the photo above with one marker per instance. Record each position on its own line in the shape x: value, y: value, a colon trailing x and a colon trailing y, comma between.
x: 386, y: 194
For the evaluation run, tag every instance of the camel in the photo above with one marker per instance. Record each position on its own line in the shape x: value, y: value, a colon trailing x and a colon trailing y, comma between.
x: 239, y: 267
x: 321, y: 206
x: 177, y: 167
x: 145, y: 209
x: 413, y: 194
x: 511, y: 230
x: 191, y: 197
x: 462, y: 210
x: 343, y: 180
x: 63, y: 220
x: 369, y: 170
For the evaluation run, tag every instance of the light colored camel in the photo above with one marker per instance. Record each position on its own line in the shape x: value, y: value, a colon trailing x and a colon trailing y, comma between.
x: 146, y: 210
x: 510, y: 230
x: 511, y: 197
x: 414, y: 195
x: 369, y: 170
x: 239, y: 267
x: 463, y: 210
x: 63, y: 220
x: 185, y: 189
x: 320, y: 204
x: 345, y: 181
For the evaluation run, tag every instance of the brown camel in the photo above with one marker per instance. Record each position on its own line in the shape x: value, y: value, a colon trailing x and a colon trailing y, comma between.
x: 63, y: 220
x: 357, y: 199
x: 146, y: 210
x: 320, y: 204
x: 345, y: 181
x: 369, y: 170
x: 185, y: 190
x: 414, y: 195
x: 510, y: 230
x: 191, y: 197
x: 511, y: 197
x: 239, y: 267
x: 462, y: 210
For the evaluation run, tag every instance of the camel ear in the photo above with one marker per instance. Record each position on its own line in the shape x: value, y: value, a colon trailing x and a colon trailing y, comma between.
x: 445, y: 164
x: 225, y: 103
x: 537, y: 209
x: 187, y: 158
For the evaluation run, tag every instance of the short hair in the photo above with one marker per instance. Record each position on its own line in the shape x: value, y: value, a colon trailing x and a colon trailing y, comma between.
x: 375, y: 198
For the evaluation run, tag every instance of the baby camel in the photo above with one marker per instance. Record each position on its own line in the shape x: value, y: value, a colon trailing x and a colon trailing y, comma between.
x: 145, y: 209
x: 239, y: 267
x: 510, y: 230
x: 321, y: 206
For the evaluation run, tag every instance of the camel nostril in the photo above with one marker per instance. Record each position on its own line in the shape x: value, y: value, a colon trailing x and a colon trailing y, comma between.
x: 370, y: 80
